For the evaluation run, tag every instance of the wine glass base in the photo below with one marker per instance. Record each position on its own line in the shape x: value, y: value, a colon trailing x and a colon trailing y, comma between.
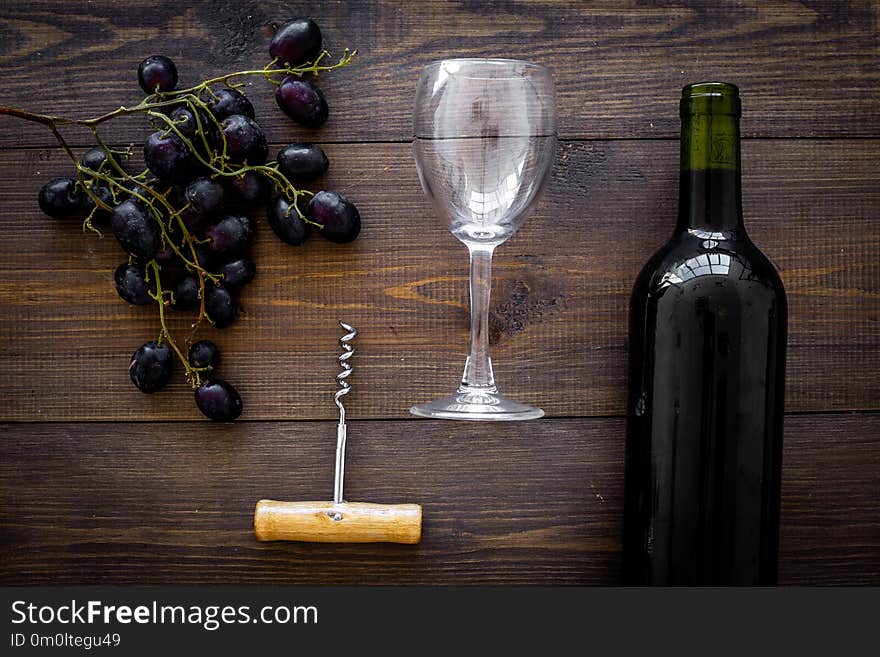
x: 475, y: 404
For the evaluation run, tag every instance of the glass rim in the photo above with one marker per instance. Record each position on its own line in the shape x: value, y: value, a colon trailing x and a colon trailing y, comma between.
x: 490, y: 61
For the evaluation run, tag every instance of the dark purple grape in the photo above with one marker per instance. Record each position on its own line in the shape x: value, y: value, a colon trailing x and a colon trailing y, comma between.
x: 194, y: 221
x: 94, y: 158
x: 206, y: 258
x: 135, y: 229
x: 220, y: 306
x: 151, y: 366
x: 296, y: 42
x: 231, y: 236
x: 245, y: 141
x: 157, y: 73
x: 204, y: 353
x: 302, y: 101
x: 286, y: 222
x: 238, y: 272
x: 177, y: 195
x: 142, y: 191
x: 168, y: 158
x: 249, y: 188
x: 186, y: 293
x: 62, y: 197
x: 302, y: 162
x: 185, y: 121
x: 100, y: 217
x: 339, y: 217
x: 226, y: 102
x: 205, y: 197
x: 168, y: 256
x: 131, y: 284
x: 218, y: 400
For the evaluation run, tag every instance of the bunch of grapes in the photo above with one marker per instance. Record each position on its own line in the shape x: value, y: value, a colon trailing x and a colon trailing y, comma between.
x: 181, y: 220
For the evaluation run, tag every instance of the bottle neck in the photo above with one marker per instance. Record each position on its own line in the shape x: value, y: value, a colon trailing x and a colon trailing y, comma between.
x: 710, y: 189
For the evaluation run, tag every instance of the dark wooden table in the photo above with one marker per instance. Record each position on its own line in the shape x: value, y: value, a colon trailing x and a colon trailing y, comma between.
x: 101, y: 484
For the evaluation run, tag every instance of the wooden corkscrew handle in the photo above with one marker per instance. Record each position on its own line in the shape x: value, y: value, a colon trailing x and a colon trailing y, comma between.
x: 343, y: 522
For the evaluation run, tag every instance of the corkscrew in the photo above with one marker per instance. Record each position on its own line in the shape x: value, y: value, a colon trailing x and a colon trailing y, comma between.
x: 339, y: 521
x: 344, y: 389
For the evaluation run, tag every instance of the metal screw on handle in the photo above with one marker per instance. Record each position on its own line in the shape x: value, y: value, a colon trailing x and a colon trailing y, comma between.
x: 342, y: 430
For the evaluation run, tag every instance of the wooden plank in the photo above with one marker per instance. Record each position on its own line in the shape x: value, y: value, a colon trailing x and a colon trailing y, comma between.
x: 535, y: 503
x: 559, y: 306
x: 805, y: 68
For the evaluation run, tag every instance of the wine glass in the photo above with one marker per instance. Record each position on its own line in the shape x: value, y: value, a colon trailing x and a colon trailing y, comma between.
x: 485, y: 138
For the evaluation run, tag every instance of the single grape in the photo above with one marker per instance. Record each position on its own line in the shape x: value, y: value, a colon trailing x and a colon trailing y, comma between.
x: 94, y: 158
x: 157, y: 73
x: 218, y: 400
x: 249, y: 188
x: 185, y: 121
x: 131, y: 284
x: 302, y: 101
x: 206, y: 258
x: 205, y: 196
x: 167, y: 256
x: 135, y: 229
x: 204, y: 353
x: 150, y: 366
x: 220, y: 306
x: 138, y: 192
x: 238, y: 272
x: 168, y: 158
x: 226, y: 102
x: 193, y: 220
x: 302, y: 162
x: 296, y: 42
x: 339, y: 217
x: 245, y: 141
x: 176, y: 195
x: 100, y: 217
x: 231, y: 236
x: 185, y: 293
x: 285, y: 221
x: 61, y: 197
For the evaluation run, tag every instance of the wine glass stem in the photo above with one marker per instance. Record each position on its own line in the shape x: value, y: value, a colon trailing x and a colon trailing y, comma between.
x: 478, y: 367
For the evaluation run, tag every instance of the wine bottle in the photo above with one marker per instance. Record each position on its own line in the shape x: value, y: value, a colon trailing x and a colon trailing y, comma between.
x: 708, y: 321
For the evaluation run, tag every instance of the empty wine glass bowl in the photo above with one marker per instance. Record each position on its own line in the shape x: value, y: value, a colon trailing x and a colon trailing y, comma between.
x: 484, y: 142
x: 485, y: 136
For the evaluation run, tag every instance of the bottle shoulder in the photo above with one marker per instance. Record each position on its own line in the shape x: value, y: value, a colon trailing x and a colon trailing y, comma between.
x: 691, y: 258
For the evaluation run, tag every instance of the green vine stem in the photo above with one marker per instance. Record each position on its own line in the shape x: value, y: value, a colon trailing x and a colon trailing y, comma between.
x: 192, y: 373
x: 119, y: 181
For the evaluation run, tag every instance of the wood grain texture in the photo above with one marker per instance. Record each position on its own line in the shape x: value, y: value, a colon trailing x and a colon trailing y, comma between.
x: 559, y: 306
x: 805, y: 68
x: 526, y: 503
x: 164, y: 501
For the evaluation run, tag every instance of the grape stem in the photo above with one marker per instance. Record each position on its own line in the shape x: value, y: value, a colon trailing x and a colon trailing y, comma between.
x: 165, y: 334
x: 314, y: 68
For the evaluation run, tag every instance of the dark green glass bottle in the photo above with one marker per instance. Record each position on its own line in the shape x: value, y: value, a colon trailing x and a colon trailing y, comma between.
x: 707, y: 341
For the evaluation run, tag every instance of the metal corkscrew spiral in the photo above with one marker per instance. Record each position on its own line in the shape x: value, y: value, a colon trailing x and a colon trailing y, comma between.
x: 344, y: 389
